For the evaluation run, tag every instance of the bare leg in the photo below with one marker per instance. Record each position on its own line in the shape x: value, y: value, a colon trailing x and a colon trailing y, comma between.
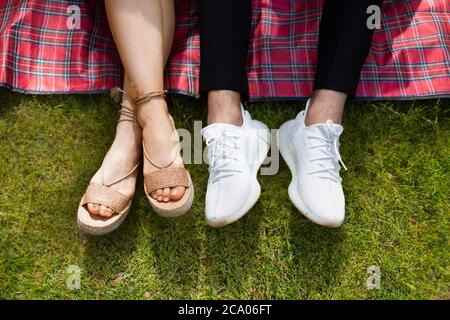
x: 120, y: 159
x: 326, y: 105
x: 224, y: 106
x: 168, y: 10
x: 143, y: 32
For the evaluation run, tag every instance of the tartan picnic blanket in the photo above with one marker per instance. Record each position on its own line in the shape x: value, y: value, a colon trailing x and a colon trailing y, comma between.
x: 410, y: 55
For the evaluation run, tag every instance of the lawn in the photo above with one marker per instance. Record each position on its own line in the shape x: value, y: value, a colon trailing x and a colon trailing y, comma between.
x: 397, y: 193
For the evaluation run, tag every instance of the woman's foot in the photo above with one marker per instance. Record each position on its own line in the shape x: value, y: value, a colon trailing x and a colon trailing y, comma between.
x: 121, y: 159
x: 161, y: 143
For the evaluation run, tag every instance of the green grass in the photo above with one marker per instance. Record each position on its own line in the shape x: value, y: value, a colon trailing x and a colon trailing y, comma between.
x: 397, y: 193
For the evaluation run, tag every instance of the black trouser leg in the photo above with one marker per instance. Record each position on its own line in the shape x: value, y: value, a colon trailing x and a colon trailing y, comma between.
x: 344, y: 43
x: 224, y: 37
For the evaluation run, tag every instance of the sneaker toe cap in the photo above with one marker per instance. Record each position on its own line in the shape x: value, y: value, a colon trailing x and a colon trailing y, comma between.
x: 326, y: 207
x: 224, y: 201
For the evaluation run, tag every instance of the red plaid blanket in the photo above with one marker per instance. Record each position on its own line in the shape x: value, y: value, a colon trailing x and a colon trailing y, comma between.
x: 409, y: 58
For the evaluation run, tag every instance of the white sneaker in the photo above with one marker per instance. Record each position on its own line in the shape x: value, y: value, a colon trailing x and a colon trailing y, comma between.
x: 312, y: 155
x: 234, y: 154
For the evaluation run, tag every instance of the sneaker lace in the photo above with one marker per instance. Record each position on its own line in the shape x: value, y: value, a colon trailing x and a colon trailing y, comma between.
x: 329, y: 147
x: 223, y: 151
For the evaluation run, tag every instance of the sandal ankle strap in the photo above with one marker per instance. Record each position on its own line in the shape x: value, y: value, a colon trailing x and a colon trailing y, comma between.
x: 140, y: 99
x: 126, y: 111
x: 136, y: 100
x: 143, y: 98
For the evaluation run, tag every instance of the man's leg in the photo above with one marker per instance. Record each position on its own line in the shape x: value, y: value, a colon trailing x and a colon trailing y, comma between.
x: 224, y: 36
x: 310, y: 143
x: 344, y: 43
x: 235, y: 147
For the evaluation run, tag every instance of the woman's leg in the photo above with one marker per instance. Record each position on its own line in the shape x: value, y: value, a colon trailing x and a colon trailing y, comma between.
x: 344, y: 44
x: 143, y: 32
x: 121, y: 158
x: 168, y: 10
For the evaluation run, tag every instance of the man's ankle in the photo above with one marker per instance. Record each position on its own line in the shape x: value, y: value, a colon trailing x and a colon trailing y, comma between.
x: 224, y: 106
x: 326, y: 105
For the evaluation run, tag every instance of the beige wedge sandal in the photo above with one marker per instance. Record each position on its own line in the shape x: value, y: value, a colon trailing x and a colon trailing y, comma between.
x: 167, y: 176
x: 101, y: 193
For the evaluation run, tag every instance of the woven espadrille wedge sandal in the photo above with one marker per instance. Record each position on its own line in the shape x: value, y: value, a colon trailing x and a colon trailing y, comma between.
x: 166, y: 176
x: 101, y: 193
